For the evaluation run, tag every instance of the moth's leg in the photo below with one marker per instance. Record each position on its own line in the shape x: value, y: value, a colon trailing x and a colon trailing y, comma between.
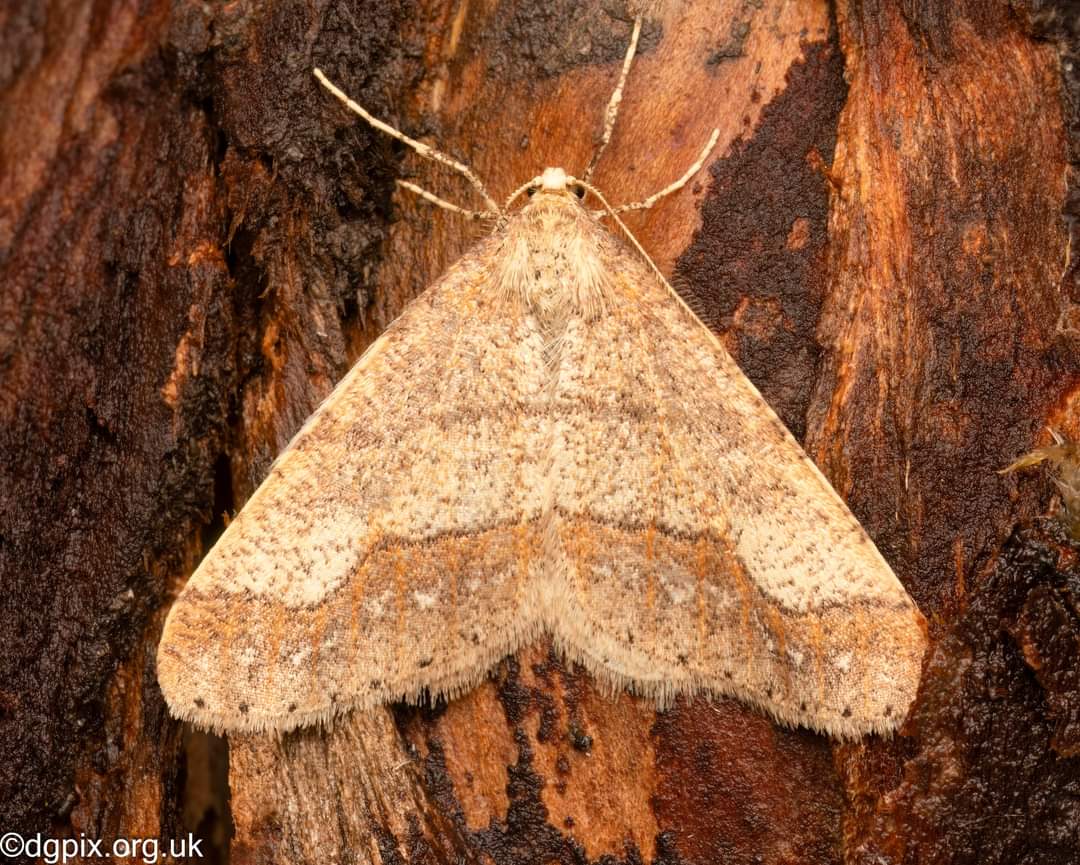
x: 447, y: 205
x: 616, y: 97
x: 424, y: 150
x: 678, y: 184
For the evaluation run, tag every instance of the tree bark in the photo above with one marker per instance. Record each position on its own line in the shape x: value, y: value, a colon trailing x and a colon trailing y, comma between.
x: 196, y: 241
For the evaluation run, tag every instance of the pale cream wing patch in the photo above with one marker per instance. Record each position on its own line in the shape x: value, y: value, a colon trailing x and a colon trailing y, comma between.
x: 712, y: 555
x: 388, y: 550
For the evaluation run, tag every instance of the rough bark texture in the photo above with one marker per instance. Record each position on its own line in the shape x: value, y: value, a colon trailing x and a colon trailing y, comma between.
x: 195, y: 242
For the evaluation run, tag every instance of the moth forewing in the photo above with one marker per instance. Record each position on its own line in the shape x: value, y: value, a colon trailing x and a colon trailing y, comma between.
x: 546, y: 441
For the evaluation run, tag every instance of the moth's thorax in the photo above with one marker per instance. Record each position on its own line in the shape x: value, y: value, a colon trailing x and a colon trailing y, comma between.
x: 554, y: 255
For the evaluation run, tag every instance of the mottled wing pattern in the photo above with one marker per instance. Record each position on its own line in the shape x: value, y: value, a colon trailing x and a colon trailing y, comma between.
x: 705, y: 551
x: 547, y: 439
x: 388, y: 549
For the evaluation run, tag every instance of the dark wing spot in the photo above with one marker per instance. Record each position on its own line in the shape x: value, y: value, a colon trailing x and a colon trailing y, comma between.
x: 847, y: 712
x: 243, y: 708
x: 200, y: 702
x: 426, y: 662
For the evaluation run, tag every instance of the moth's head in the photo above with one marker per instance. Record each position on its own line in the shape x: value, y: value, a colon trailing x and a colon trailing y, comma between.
x: 553, y: 184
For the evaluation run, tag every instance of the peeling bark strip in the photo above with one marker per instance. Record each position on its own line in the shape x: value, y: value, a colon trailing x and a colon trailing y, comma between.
x: 158, y: 347
x: 947, y: 249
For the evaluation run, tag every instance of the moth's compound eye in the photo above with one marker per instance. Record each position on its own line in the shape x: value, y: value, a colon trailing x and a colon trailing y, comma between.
x: 531, y: 191
x: 579, y: 191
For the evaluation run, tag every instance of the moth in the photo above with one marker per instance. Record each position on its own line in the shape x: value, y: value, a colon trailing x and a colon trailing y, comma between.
x: 546, y: 441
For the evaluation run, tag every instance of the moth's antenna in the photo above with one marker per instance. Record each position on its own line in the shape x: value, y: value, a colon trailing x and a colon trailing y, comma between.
x: 514, y: 195
x: 678, y: 184
x: 421, y: 148
x: 616, y: 97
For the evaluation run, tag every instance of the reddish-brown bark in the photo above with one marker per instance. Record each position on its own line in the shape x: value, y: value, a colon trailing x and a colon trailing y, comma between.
x: 195, y: 242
